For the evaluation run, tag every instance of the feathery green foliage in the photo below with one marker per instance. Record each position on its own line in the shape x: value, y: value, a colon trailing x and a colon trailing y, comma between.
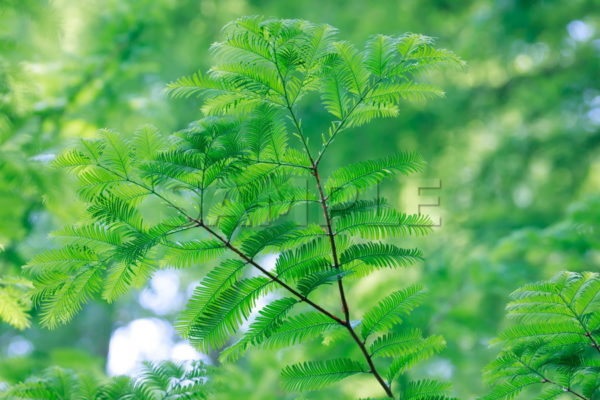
x: 553, y: 348
x: 210, y: 189
x: 158, y: 381
x: 314, y: 375
x: 15, y: 301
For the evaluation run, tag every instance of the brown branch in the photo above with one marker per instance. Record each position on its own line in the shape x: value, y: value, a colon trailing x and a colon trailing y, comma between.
x: 577, y: 317
x: 346, y: 323
x: 546, y: 380
x: 345, y: 307
x: 339, y: 128
x: 330, y: 232
x: 270, y: 275
x: 331, y: 235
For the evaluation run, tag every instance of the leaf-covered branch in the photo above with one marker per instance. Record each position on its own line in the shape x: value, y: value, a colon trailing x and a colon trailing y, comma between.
x: 225, y: 185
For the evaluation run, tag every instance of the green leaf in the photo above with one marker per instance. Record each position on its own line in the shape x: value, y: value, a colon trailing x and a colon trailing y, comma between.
x: 356, y: 206
x: 66, y: 298
x: 223, y: 316
x: 397, y: 343
x: 382, y: 223
x: 379, y: 54
x: 351, y: 65
x: 510, y: 389
x: 194, y: 84
x: 298, y: 329
x: 269, y: 318
x: 333, y: 94
x: 313, y: 281
x: 65, y: 259
x: 393, y: 93
x: 116, y: 212
x: 306, y: 259
x: 189, y: 253
x: 426, y: 390
x: 72, y: 158
x: 148, y: 142
x: 345, y: 183
x: 389, y: 311
x: 116, y: 152
x: 409, y: 358
x: 96, y: 234
x: 218, y: 280
x: 314, y: 375
x: 266, y: 238
x: 15, y: 301
x: 359, y: 257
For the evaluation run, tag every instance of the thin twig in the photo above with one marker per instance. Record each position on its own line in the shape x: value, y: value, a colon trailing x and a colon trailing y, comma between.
x: 344, y: 120
x: 587, y: 333
x: 270, y: 275
x: 546, y: 380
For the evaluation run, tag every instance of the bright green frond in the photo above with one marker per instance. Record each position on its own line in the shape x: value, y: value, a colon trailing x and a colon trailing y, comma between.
x: 269, y: 318
x: 223, y: 316
x: 313, y: 375
x: 67, y: 296
x: 187, y: 254
x: 379, y: 54
x: 426, y: 390
x: 423, y: 351
x: 15, y: 301
x: 266, y: 238
x: 364, y: 257
x: 382, y: 223
x: 194, y: 84
x: 298, y: 329
x: 347, y: 182
x: 218, y: 280
x: 389, y: 311
x: 510, y: 389
x: 313, y: 281
x: 392, y: 344
x: 306, y: 259
x: 96, y: 234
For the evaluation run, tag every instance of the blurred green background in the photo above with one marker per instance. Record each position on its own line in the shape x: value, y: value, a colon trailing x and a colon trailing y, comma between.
x: 515, y: 147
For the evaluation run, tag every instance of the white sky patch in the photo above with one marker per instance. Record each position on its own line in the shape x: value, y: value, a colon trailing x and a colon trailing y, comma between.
x: 183, y: 351
x: 144, y: 339
x: 163, y: 296
x: 580, y: 31
x: 441, y: 368
x: 19, y: 346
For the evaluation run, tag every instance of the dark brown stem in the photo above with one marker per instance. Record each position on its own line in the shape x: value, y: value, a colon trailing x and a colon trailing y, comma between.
x: 594, y: 343
x: 270, y: 275
x: 363, y: 349
x: 566, y: 389
x: 546, y: 380
x: 345, y: 308
x: 577, y: 317
x: 330, y: 234
x: 303, y: 298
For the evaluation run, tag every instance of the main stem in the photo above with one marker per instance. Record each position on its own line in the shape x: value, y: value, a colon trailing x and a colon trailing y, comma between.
x: 546, y: 380
x: 345, y: 307
x: 336, y: 264
x: 345, y: 323
x: 314, y: 167
x: 330, y: 234
x: 587, y: 333
x: 269, y: 274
